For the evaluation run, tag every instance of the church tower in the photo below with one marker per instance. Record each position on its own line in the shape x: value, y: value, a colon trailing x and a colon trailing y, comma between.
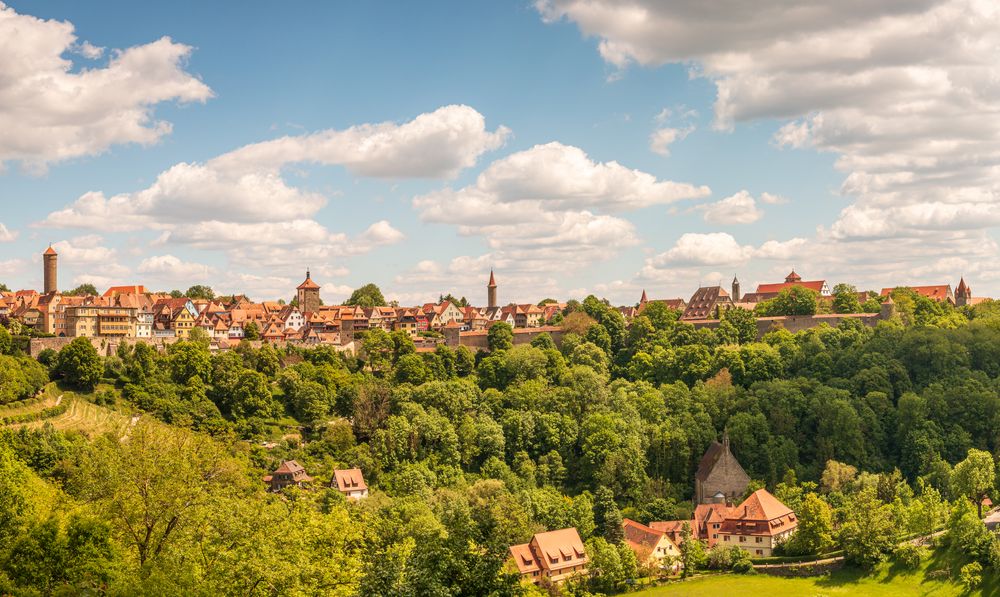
x: 963, y: 294
x: 50, y: 269
x: 736, y: 290
x: 491, y: 292
x: 307, y: 294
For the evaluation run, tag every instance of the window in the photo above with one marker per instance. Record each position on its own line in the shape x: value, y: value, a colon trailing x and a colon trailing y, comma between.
x: 760, y: 552
x: 743, y: 539
x: 760, y: 539
x: 727, y: 537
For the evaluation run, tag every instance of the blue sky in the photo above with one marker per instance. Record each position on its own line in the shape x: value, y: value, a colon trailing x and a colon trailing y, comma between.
x: 527, y: 75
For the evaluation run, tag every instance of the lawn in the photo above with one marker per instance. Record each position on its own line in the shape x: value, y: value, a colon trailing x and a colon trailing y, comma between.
x: 887, y: 581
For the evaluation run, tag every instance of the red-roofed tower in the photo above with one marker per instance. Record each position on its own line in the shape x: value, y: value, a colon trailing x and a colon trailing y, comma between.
x: 491, y: 292
x: 50, y: 269
x: 307, y: 294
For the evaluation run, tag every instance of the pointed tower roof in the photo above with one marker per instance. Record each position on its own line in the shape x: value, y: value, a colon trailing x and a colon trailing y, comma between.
x: 308, y: 284
x: 735, y: 279
x: 50, y: 251
x: 963, y: 289
x: 493, y: 282
x: 793, y: 277
x: 643, y: 299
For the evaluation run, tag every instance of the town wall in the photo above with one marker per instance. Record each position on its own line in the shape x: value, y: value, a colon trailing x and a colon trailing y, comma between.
x: 798, y: 323
x: 479, y: 340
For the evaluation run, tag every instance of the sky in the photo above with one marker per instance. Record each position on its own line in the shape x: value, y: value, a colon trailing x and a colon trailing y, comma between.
x: 574, y: 146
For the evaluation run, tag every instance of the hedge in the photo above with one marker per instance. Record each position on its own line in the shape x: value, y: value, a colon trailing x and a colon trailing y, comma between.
x: 45, y: 413
x: 797, y: 559
x: 22, y: 403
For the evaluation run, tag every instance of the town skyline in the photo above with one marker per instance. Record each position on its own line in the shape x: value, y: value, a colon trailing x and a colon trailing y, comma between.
x: 217, y: 170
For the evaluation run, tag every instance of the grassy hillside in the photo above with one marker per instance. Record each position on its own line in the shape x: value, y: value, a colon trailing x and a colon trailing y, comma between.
x: 889, y: 580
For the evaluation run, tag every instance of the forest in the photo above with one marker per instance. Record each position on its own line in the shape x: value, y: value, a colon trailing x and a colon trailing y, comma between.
x: 871, y: 434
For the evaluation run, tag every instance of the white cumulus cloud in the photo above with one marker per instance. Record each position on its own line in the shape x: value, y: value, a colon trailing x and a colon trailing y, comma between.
x: 903, y: 92
x: 52, y: 111
x: 740, y: 208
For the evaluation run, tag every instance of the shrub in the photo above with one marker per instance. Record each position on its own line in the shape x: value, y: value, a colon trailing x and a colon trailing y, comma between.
x: 909, y: 555
x: 971, y: 576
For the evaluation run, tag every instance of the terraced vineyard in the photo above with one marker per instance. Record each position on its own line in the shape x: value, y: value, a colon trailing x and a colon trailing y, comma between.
x: 67, y: 411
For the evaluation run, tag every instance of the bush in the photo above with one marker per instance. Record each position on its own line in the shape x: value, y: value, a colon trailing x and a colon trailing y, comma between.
x: 730, y: 558
x: 39, y: 415
x: 971, y: 576
x: 909, y: 555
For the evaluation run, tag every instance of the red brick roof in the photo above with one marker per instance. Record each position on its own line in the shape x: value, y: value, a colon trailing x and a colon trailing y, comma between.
x: 939, y: 292
x: 50, y: 251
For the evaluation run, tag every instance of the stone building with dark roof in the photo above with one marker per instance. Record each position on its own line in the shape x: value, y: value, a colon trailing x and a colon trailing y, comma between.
x: 719, y: 473
x: 706, y: 303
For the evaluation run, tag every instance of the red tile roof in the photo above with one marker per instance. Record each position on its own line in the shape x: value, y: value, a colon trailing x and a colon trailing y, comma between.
x: 307, y: 284
x: 523, y: 558
x: 938, y: 292
x: 134, y: 289
x: 759, y: 514
x: 349, y: 479
x: 816, y: 285
x: 641, y: 538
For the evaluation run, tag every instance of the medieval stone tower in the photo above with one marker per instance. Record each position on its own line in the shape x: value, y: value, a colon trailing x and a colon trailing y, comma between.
x: 307, y: 294
x: 736, y: 290
x: 491, y: 292
x: 963, y: 294
x: 50, y: 269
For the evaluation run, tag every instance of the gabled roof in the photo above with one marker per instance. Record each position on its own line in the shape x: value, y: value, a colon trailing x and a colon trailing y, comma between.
x: 523, y: 558
x: 760, y: 514
x: 816, y: 285
x: 349, y: 479
x: 560, y: 544
x: 134, y: 289
x: 939, y: 292
x: 641, y: 537
x: 703, y: 302
x: 761, y: 505
x: 289, y: 466
x: 708, y: 460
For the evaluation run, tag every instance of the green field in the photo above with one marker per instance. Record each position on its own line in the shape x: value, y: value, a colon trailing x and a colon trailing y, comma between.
x: 887, y: 581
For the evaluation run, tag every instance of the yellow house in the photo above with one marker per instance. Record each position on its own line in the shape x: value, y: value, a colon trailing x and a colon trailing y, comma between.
x: 92, y: 320
x: 652, y: 547
x: 176, y: 315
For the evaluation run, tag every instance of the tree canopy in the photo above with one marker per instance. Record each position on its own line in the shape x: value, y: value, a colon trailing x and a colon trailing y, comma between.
x: 368, y: 295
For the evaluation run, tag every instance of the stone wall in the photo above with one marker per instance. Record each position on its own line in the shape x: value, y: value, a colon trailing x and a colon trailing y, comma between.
x: 479, y: 340
x: 798, y: 323
x: 104, y: 346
